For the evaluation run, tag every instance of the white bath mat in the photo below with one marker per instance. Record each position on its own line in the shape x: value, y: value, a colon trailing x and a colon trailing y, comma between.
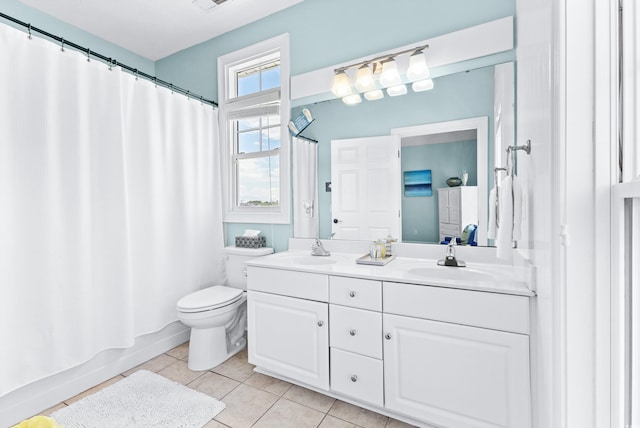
x: 143, y: 399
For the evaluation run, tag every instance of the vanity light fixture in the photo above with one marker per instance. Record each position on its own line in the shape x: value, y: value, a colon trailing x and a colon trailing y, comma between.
x: 379, y: 73
x: 341, y: 84
x: 376, y: 94
x: 422, y: 85
x: 352, y: 99
x: 390, y: 76
x: 364, y: 79
x: 394, y: 91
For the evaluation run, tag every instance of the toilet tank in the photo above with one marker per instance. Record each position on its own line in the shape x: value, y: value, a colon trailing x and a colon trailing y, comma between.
x: 235, y: 267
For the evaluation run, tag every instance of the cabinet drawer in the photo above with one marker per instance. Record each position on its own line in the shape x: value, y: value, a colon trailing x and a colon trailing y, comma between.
x: 356, y: 292
x: 475, y: 308
x: 290, y: 283
x: 356, y: 330
x: 357, y: 376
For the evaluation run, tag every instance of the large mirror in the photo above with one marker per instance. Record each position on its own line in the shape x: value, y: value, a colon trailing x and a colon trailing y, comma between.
x: 486, y: 92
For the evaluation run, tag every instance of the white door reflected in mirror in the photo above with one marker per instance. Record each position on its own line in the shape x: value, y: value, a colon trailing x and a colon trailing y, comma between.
x: 365, y: 190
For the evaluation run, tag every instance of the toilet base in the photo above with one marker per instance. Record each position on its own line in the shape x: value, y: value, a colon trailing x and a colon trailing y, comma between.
x: 208, y: 348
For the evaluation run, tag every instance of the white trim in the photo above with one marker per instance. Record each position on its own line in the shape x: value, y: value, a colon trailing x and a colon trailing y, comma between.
x: 481, y: 125
x: 282, y: 214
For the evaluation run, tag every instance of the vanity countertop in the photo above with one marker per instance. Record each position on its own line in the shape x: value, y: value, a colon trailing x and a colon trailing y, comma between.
x: 476, y: 276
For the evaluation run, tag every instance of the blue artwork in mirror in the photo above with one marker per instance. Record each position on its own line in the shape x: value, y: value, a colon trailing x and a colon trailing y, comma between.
x: 417, y: 183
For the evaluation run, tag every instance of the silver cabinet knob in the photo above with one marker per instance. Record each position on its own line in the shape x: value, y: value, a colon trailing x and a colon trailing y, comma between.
x: 352, y: 294
x: 354, y: 378
x: 352, y: 332
x: 320, y: 323
x: 387, y: 336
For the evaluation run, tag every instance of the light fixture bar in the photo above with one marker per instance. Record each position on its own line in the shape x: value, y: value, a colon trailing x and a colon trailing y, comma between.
x: 380, y: 58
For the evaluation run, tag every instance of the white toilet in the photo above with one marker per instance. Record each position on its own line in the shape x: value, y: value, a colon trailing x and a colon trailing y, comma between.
x: 217, y: 315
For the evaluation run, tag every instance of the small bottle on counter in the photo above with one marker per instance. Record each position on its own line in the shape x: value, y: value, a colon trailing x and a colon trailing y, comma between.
x: 374, y: 251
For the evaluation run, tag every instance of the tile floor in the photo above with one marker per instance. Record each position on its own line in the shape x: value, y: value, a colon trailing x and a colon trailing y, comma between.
x: 253, y: 399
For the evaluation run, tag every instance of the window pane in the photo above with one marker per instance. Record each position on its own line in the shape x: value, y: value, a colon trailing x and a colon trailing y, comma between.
x: 248, y: 84
x: 272, y: 139
x: 271, y: 78
x: 259, y: 182
x: 249, y: 142
x: 250, y: 123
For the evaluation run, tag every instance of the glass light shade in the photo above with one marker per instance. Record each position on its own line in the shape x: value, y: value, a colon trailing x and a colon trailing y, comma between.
x: 341, y: 85
x: 418, y: 69
x: 364, y: 79
x: 352, y: 99
x: 390, y: 75
x: 422, y: 85
x: 394, y: 91
x: 376, y: 94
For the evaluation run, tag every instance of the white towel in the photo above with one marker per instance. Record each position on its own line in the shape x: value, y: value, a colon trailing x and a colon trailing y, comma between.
x: 491, y: 228
x: 510, y: 216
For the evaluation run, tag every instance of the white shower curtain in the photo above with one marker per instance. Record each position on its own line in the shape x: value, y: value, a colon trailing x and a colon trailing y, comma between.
x: 109, y: 207
x: 305, y: 189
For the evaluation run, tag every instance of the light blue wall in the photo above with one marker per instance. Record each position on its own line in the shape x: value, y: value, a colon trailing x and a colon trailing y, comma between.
x: 22, y: 12
x: 420, y: 213
x: 327, y: 32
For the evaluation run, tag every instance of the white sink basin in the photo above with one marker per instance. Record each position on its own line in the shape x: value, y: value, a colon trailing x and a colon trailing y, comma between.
x: 453, y: 273
x: 313, y: 260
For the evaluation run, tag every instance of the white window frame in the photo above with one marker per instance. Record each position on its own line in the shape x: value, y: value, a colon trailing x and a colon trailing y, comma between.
x: 229, y: 108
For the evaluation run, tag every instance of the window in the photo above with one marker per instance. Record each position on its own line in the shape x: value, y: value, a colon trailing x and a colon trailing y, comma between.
x: 254, y: 112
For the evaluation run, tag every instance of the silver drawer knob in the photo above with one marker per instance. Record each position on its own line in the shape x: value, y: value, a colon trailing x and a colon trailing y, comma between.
x: 352, y: 293
x: 354, y: 378
x: 387, y: 336
x: 320, y: 323
x: 352, y: 332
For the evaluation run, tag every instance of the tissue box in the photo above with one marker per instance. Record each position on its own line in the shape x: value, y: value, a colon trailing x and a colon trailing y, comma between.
x: 250, y: 241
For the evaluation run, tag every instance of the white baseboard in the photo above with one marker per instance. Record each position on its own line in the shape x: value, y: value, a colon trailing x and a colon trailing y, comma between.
x: 43, y: 394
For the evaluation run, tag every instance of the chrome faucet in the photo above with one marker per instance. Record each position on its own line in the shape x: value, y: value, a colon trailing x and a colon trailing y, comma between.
x: 317, y: 249
x: 450, y: 256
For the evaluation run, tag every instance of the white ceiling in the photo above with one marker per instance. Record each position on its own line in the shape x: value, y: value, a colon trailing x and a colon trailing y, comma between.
x: 155, y: 29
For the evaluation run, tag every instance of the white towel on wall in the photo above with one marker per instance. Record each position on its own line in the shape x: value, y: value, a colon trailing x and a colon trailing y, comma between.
x: 305, y: 189
x: 492, y: 226
x: 510, y: 216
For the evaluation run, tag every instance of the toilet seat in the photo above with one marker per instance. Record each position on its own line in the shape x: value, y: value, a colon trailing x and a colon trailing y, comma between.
x: 209, y: 298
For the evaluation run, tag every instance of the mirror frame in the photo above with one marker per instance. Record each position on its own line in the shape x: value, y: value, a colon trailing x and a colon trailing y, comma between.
x: 481, y: 126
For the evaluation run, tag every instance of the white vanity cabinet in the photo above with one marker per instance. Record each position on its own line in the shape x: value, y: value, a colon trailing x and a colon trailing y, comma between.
x: 457, y: 207
x: 451, y: 374
x: 289, y: 336
x: 428, y: 355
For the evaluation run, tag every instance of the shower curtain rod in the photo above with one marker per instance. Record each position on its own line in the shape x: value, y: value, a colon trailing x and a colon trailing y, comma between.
x: 110, y: 61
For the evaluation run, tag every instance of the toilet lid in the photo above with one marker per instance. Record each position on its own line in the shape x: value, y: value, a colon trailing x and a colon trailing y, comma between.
x: 209, y: 298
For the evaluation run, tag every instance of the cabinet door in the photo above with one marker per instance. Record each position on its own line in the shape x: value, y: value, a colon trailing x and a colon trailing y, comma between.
x: 290, y: 337
x: 456, y: 376
x: 454, y: 205
x: 443, y: 205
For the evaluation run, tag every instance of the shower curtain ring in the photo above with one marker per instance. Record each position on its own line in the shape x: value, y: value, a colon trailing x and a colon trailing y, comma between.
x: 135, y: 73
x: 88, y: 55
x: 29, y: 30
x: 171, y: 86
x: 62, y: 44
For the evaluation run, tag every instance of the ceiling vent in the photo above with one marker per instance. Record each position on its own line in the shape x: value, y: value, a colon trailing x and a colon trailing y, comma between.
x: 208, y: 4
